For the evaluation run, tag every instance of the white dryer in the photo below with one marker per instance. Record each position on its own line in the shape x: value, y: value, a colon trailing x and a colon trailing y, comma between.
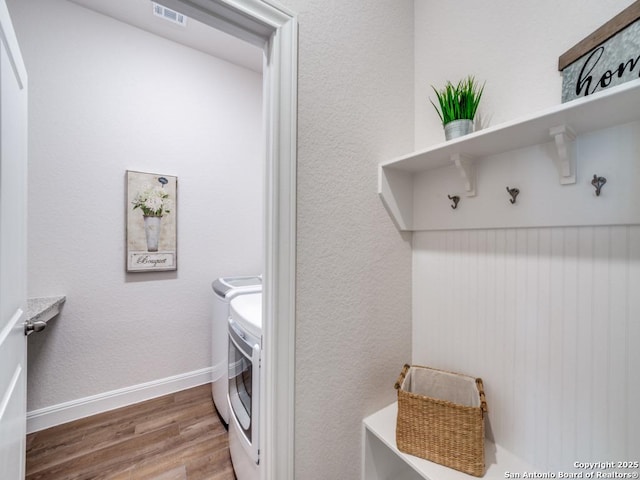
x: 225, y: 289
x: 245, y: 350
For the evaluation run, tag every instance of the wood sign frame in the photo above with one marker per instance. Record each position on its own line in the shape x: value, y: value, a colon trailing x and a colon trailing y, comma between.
x: 609, y: 56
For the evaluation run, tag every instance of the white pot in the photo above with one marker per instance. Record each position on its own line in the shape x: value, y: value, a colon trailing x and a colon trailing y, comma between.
x: 457, y: 128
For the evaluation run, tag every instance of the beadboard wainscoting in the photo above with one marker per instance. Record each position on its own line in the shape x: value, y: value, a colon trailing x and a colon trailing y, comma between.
x: 550, y: 319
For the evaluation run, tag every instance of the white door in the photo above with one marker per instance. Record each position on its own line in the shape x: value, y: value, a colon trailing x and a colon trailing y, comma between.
x: 13, y: 253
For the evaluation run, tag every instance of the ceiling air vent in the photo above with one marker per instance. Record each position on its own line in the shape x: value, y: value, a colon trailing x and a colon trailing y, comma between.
x: 169, y: 15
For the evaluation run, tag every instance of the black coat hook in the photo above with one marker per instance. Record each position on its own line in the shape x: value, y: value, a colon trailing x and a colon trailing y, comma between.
x: 598, y: 182
x: 455, y: 199
x: 514, y: 193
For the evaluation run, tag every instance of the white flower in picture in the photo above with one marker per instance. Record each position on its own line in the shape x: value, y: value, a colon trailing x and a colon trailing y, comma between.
x: 154, y: 201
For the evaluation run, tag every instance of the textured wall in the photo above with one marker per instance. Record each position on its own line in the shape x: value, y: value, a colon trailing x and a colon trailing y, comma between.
x: 106, y: 97
x: 353, y: 295
x: 514, y: 46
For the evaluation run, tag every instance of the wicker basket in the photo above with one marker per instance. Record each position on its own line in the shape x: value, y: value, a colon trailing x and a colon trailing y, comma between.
x: 441, y: 418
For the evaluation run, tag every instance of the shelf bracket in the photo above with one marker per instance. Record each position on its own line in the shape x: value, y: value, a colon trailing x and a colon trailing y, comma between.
x: 565, y: 160
x: 467, y: 171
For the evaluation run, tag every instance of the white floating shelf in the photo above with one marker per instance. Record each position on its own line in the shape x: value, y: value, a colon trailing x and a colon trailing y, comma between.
x: 558, y: 126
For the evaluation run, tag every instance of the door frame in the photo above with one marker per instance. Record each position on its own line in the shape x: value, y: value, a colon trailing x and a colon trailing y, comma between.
x: 275, y: 30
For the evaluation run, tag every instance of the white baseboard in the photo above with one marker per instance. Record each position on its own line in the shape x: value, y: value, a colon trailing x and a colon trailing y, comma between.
x: 83, y: 407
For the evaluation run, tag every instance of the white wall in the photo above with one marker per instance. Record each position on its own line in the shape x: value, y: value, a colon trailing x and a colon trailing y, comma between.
x: 104, y: 98
x: 546, y: 316
x: 353, y: 293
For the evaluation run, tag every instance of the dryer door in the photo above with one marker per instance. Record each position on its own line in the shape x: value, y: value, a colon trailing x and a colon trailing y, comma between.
x: 244, y: 376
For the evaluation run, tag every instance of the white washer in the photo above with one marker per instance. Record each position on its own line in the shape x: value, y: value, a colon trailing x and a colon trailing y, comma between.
x: 245, y: 349
x: 225, y: 288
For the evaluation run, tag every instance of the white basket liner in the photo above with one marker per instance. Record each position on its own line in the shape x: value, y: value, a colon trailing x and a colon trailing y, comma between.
x: 454, y: 388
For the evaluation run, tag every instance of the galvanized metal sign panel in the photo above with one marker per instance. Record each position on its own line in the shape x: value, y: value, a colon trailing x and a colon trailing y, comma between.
x: 614, y: 62
x: 608, y: 57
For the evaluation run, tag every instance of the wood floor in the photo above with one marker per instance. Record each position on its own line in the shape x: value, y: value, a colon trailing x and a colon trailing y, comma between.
x: 175, y: 437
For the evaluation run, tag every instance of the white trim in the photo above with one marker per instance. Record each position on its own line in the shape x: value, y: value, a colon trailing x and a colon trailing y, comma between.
x: 279, y: 329
x: 12, y: 48
x: 274, y: 28
x: 83, y: 407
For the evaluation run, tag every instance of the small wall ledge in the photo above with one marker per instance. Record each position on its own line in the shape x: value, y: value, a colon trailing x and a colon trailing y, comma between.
x: 43, y: 309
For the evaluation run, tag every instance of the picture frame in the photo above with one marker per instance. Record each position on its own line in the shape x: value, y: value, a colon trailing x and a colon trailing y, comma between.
x: 151, y: 222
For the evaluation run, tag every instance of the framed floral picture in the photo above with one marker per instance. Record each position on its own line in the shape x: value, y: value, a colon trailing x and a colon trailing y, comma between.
x: 151, y: 222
